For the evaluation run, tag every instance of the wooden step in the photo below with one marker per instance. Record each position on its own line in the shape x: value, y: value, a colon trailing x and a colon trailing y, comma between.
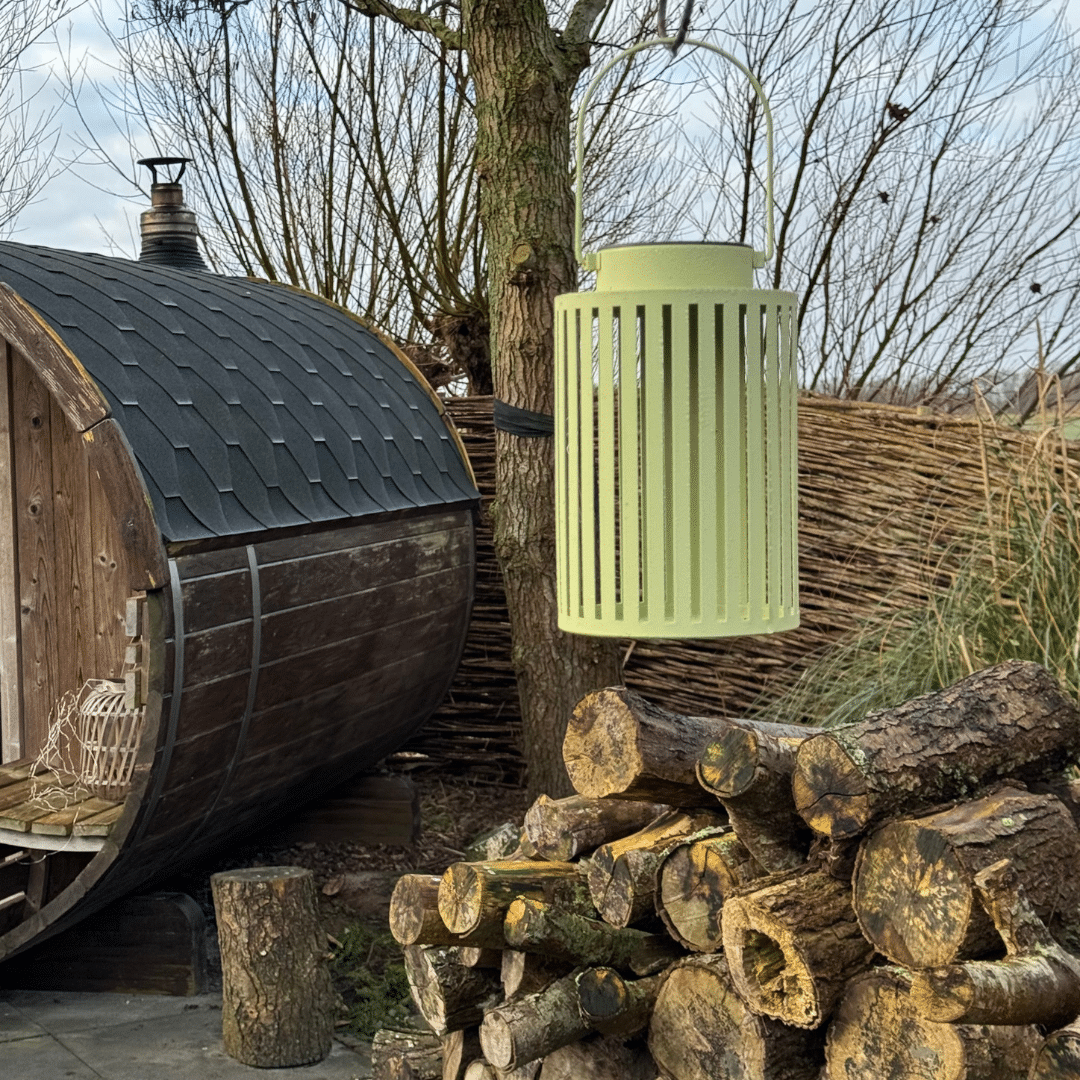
x: 62, y: 822
x: 100, y: 824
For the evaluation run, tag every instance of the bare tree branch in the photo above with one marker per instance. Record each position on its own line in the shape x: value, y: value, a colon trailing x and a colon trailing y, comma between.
x: 409, y: 18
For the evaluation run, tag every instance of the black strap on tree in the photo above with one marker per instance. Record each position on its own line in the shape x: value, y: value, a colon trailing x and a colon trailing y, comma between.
x: 684, y: 24
x: 521, y: 422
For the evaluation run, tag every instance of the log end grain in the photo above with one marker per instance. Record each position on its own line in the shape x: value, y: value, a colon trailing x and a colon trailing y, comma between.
x: 414, y: 912
x: 831, y: 793
x: 602, y: 730
x: 912, y: 897
x: 728, y: 766
x: 1059, y: 1055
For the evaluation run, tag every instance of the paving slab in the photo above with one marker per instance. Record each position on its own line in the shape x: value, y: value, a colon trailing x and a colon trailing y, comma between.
x: 71, y: 1036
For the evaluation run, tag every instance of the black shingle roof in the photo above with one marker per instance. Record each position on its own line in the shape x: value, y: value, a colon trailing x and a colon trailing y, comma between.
x: 249, y: 406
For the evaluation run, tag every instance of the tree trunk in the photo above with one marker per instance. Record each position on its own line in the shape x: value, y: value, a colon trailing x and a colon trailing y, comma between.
x: 278, y: 1003
x: 620, y: 745
x: 914, y: 887
x: 525, y: 1030
x: 523, y: 77
x: 622, y: 874
x: 1009, y: 720
x: 792, y: 945
x: 448, y: 996
x: 543, y: 928
x: 563, y: 829
x: 877, y: 1033
x: 599, y: 1058
x: 474, y: 897
x: 693, y: 881
x: 750, y: 771
x: 702, y: 1030
x: 1059, y: 1055
x: 1037, y: 983
x: 613, y: 1005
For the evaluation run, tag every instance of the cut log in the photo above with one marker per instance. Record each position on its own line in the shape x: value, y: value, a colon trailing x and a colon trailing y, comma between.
x: 536, y: 927
x: 1059, y: 1056
x: 524, y: 974
x: 702, y: 1030
x: 622, y: 874
x: 526, y: 1030
x: 458, y: 1049
x: 278, y: 1004
x: 1012, y: 720
x: 614, y: 1005
x: 792, y: 944
x: 749, y: 771
x: 470, y: 956
x: 484, y: 1070
x: 877, y: 1033
x: 414, y: 913
x: 694, y: 878
x: 914, y: 885
x: 448, y: 996
x: 619, y: 745
x: 600, y: 1057
x: 1037, y: 983
x: 473, y: 897
x: 563, y: 829
x: 405, y: 1055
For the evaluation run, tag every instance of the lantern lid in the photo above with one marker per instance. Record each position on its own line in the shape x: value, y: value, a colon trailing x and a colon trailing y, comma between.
x: 674, y: 265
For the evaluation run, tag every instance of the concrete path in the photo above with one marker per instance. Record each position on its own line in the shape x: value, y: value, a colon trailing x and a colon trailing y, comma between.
x: 69, y: 1036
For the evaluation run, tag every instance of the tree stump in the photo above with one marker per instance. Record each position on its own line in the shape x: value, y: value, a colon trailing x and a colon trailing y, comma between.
x: 278, y: 1003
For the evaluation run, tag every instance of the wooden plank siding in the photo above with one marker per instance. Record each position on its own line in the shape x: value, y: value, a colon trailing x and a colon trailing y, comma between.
x: 11, y: 733
x: 360, y: 633
x: 71, y: 567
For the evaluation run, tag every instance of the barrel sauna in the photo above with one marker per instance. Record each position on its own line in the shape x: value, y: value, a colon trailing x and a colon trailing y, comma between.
x: 246, y: 508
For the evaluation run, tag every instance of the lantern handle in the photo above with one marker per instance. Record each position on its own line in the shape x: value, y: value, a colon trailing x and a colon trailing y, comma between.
x: 589, y: 261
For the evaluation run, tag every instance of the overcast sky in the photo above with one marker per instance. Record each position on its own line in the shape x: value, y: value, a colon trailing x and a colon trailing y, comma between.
x: 93, y: 209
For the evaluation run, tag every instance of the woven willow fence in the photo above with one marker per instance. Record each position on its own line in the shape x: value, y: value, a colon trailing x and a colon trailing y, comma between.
x: 881, y: 488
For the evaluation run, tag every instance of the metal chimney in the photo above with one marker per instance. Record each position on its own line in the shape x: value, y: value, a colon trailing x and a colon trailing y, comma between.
x: 169, y: 229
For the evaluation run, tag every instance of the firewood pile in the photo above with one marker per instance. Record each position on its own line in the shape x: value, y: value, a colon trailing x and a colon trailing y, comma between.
x: 734, y: 899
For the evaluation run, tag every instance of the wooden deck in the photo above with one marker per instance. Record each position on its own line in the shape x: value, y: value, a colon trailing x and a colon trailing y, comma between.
x: 81, y: 822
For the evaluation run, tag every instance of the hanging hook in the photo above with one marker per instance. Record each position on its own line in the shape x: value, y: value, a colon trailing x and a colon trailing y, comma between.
x: 684, y: 24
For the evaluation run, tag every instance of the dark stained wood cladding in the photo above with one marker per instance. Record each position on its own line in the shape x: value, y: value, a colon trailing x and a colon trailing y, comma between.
x: 360, y: 632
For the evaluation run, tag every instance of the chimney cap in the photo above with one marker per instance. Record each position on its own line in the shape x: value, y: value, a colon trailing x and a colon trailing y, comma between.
x: 154, y: 163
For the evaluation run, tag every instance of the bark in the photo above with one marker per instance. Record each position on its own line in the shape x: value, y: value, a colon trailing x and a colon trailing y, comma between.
x: 622, y: 874
x: 278, y: 1003
x: 750, y: 771
x: 1012, y: 720
x: 599, y: 1058
x: 1037, y: 983
x: 523, y: 76
x: 792, y: 945
x: 620, y: 745
x: 525, y: 1030
x: 702, y: 1030
x: 914, y: 888
x: 876, y: 1032
x: 1059, y: 1055
x: 524, y: 973
x: 458, y: 1049
x: 474, y: 897
x: 614, y: 1005
x: 448, y: 996
x: 405, y: 1055
x: 563, y: 829
x: 414, y: 913
x: 543, y: 928
x: 692, y: 882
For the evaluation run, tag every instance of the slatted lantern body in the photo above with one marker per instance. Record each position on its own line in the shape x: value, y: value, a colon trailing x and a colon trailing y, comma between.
x: 675, y: 424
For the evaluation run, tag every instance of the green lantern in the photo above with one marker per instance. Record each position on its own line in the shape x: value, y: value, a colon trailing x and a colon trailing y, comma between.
x: 675, y: 436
